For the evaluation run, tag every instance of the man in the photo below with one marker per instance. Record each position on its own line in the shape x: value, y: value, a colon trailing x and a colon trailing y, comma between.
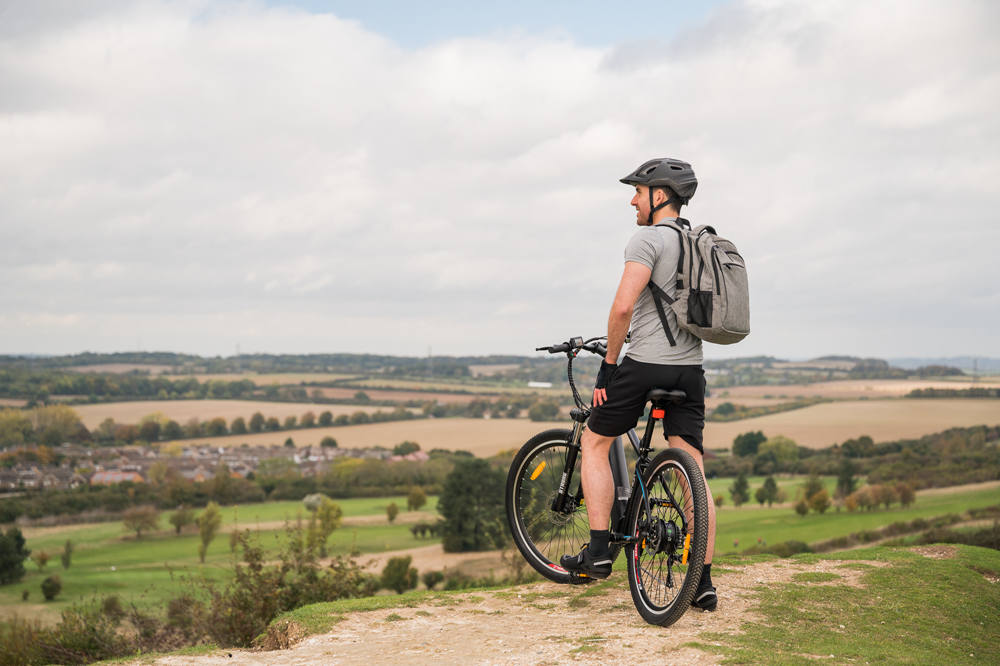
x: 662, y: 186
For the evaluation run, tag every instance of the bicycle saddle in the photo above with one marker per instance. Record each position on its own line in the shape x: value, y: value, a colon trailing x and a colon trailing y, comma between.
x: 659, y: 395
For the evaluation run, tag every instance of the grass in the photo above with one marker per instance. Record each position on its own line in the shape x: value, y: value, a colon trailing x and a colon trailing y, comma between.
x: 916, y: 610
x: 147, y: 571
x: 739, y: 529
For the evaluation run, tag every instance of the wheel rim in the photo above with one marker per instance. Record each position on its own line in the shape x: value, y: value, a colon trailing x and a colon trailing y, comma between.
x: 658, y: 557
x: 548, y: 534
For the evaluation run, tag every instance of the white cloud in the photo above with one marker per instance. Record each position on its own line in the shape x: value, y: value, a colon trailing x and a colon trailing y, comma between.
x: 165, y: 163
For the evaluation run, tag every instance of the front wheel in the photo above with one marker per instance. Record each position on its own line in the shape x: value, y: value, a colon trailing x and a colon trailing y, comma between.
x: 545, y: 522
x: 667, y: 556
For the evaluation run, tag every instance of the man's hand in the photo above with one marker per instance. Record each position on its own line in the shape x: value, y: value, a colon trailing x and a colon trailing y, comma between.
x: 604, y: 376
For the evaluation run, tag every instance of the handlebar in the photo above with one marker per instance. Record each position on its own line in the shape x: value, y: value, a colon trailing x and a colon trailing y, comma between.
x: 571, y: 348
x: 575, y: 345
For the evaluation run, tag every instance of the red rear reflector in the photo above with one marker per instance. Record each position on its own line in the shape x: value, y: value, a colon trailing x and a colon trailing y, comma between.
x: 659, y: 413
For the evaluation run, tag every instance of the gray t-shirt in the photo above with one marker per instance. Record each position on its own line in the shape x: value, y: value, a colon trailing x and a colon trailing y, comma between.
x: 658, y: 249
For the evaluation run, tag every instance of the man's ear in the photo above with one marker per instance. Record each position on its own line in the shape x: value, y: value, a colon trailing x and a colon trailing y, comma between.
x: 659, y: 196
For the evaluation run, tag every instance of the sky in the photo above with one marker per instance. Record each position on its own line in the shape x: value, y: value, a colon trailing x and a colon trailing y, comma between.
x: 299, y: 177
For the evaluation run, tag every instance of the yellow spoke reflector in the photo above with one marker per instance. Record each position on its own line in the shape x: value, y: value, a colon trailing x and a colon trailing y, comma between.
x: 687, y: 549
x: 538, y: 470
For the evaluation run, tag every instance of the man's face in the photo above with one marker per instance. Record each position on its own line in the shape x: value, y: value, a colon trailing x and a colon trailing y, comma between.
x: 640, y: 201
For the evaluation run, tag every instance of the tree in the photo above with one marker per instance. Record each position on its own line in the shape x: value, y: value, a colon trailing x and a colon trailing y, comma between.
x: 781, y: 449
x: 208, y: 526
x: 290, y: 422
x: 238, y: 426
x: 862, y: 447
x: 172, y: 430
x: 257, y: 422
x: 40, y: 558
x: 819, y: 501
x: 51, y: 587
x: 67, y: 554
x: 216, y: 427
x: 801, y: 507
x: 290, y: 443
x: 740, y: 490
x: 181, y: 518
x: 405, y: 448
x: 813, y: 485
x: 760, y: 495
x: 906, y: 494
x: 141, y: 518
x: 432, y: 578
x: 149, y: 431
x: 391, y: 511
x: 308, y: 420
x: 54, y: 424
x: 747, y: 444
x: 845, y: 478
x: 770, y: 489
x: 325, y: 418
x: 12, y: 556
x: 884, y: 494
x: 398, y: 575
x: 328, y: 442
x: 323, y: 522
x: 472, y: 505
x: 543, y: 410
x: 416, y: 498
x: 15, y: 427
x: 272, y: 424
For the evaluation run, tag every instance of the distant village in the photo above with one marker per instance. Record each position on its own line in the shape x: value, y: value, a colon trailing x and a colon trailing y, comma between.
x: 82, y: 465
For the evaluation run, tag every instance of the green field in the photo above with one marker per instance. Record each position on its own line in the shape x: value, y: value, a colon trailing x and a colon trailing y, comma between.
x: 106, y: 559
x: 146, y: 571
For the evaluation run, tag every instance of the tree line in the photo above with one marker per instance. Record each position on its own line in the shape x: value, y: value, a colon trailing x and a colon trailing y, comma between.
x: 951, y: 457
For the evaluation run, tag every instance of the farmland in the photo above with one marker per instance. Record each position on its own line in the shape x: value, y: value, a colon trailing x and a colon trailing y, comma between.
x: 849, y: 388
x: 821, y: 425
x: 183, y: 410
x: 483, y: 437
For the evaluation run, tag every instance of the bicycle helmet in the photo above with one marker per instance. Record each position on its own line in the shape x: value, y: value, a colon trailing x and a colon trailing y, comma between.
x: 677, y: 176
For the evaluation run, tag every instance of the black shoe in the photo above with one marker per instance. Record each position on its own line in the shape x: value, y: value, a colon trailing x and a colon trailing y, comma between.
x: 705, y: 599
x: 586, y: 564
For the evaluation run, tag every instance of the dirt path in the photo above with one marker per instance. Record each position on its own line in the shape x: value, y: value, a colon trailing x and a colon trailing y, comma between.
x: 541, y: 623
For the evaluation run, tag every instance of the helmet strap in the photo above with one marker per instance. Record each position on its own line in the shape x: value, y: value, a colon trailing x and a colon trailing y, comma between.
x: 653, y: 209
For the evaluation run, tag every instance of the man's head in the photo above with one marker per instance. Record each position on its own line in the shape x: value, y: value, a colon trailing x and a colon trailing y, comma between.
x: 661, y: 184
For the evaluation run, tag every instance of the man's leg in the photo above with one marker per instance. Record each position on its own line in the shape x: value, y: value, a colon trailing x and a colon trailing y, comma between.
x: 705, y: 597
x: 599, y: 495
x: 678, y: 442
x: 595, y: 475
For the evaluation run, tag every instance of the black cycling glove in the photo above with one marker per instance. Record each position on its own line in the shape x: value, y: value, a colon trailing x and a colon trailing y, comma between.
x: 605, y: 374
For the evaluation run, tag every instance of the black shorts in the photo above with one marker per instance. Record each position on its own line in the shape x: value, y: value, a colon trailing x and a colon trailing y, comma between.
x: 627, y: 400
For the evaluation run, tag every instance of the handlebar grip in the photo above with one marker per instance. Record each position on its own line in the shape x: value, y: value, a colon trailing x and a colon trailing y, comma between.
x: 562, y: 347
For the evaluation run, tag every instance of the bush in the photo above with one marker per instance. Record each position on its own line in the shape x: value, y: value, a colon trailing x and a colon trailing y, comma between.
x: 12, y: 556
x: 801, y: 507
x: 51, y: 587
x: 432, y: 578
x: 391, y: 511
x: 398, y: 575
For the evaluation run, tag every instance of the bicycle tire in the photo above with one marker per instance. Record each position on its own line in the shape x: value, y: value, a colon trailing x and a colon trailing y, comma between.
x: 657, y: 556
x: 540, y: 533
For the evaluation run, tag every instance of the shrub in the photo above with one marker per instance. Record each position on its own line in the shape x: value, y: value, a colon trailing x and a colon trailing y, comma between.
x: 40, y: 558
x: 25, y: 594
x: 12, y: 556
x: 820, y: 501
x: 801, y: 507
x: 398, y: 575
x: 416, y: 499
x: 432, y: 578
x: 391, y: 511
x: 67, y: 554
x: 51, y: 587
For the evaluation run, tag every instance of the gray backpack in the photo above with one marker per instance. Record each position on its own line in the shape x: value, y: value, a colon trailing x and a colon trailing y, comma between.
x: 713, y: 297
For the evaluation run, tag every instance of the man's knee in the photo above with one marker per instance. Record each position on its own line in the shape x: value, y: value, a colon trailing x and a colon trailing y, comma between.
x: 591, y: 441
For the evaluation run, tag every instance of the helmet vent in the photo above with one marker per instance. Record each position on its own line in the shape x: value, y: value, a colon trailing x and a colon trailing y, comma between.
x: 675, y: 167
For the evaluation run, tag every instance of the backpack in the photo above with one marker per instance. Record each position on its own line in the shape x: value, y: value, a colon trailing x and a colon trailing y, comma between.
x: 713, y: 297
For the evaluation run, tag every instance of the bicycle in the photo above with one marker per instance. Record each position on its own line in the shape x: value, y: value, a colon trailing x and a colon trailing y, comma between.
x: 663, y: 528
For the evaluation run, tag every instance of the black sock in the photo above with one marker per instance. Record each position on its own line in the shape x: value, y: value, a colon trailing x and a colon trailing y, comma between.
x: 706, y: 577
x: 599, y: 542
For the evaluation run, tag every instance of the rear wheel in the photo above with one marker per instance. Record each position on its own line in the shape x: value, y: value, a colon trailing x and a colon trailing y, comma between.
x: 667, y: 557
x: 544, y: 523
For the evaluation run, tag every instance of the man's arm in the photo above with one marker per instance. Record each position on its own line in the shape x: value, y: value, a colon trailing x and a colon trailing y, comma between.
x: 634, y: 280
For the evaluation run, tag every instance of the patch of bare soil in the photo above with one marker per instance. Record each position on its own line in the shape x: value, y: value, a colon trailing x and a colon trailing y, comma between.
x: 937, y: 551
x: 540, y: 623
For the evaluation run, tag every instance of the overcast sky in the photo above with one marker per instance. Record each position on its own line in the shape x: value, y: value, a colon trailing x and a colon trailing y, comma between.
x: 314, y: 177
